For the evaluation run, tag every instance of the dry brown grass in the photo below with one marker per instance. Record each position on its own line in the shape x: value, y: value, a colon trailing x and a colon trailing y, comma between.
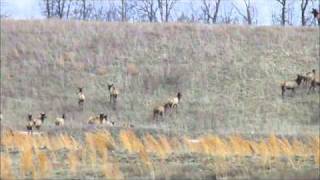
x: 130, y: 141
x: 111, y: 171
x: 6, y: 167
x: 132, y: 69
x: 93, y: 152
x: 44, y: 165
x: 229, y: 74
x: 74, y: 162
x: 26, y: 163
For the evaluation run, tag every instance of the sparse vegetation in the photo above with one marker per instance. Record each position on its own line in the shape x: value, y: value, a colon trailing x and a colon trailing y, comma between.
x: 229, y: 75
x: 231, y: 123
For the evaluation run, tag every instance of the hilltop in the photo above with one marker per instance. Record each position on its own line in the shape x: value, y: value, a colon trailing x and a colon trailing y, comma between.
x: 229, y: 75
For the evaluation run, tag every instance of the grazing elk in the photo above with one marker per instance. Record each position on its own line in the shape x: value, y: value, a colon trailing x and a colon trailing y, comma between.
x: 101, y: 119
x: 291, y: 85
x: 110, y: 123
x: 158, y: 111
x: 30, y: 124
x: 82, y: 98
x: 315, y: 83
x: 307, y: 79
x: 39, y: 121
x: 174, y: 101
x: 60, y: 120
x: 114, y: 93
x: 316, y: 15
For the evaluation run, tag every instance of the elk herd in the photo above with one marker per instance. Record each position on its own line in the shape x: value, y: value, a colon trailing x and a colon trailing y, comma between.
x: 311, y: 79
x: 158, y: 111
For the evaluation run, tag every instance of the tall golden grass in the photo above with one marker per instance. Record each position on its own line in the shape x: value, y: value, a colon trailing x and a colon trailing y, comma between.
x: 130, y: 141
x: 26, y: 163
x: 73, y: 161
x: 5, y: 168
x: 44, y: 165
x: 93, y: 152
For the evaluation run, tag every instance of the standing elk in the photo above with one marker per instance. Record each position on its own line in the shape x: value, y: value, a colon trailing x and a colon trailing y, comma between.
x: 314, y: 83
x: 158, y: 111
x: 30, y: 124
x: 114, y: 93
x: 307, y: 79
x: 316, y: 15
x: 82, y: 98
x: 101, y: 119
x: 60, y: 120
x: 174, y: 101
x: 290, y: 85
x: 39, y: 121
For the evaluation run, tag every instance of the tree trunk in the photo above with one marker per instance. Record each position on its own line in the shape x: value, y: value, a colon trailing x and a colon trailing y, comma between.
x: 123, y: 13
x: 215, y: 15
x: 304, y: 4
x: 283, y: 13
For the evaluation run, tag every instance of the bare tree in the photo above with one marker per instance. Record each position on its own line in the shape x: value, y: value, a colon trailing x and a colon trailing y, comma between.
x: 83, y: 9
x: 165, y: 8
x: 287, y: 13
x: 250, y: 12
x: 126, y: 9
x: 111, y: 12
x: 48, y: 6
x: 123, y: 10
x: 56, y: 8
x: 306, y: 16
x: 194, y: 13
x: 283, y: 11
x: 303, y: 6
x: 60, y: 5
x: 228, y: 16
x: 147, y: 9
x: 3, y: 12
x: 183, y: 18
x: 210, y: 9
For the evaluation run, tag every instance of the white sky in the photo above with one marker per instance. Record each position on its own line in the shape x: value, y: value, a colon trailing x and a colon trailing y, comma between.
x: 22, y: 9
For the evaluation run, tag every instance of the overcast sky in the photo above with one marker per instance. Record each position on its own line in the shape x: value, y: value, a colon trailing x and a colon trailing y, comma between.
x: 30, y: 9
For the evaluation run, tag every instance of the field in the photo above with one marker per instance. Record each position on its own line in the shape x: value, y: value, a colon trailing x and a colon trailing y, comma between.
x: 231, y: 122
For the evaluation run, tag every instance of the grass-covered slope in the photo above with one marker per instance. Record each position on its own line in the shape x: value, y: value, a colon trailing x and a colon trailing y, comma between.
x: 229, y: 76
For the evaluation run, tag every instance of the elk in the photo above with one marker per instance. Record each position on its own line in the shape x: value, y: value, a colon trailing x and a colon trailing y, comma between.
x: 316, y: 15
x: 174, y: 101
x: 39, y: 121
x: 158, y: 111
x: 30, y: 124
x: 290, y: 85
x: 82, y: 97
x: 114, y: 93
x: 60, y: 120
x: 101, y: 119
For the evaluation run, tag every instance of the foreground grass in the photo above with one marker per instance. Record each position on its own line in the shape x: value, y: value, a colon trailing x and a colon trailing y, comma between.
x: 127, y: 155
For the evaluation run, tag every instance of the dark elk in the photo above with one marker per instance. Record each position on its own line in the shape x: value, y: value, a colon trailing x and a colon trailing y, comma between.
x: 114, y: 93
x: 316, y: 15
x: 291, y: 85
x: 81, y: 99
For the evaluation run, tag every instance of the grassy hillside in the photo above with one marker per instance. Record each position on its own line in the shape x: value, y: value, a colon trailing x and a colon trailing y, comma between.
x: 229, y: 75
